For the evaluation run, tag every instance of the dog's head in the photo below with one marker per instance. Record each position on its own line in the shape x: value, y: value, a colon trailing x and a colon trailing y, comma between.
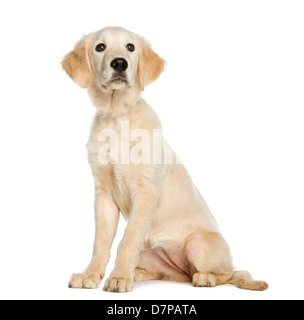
x: 113, y: 58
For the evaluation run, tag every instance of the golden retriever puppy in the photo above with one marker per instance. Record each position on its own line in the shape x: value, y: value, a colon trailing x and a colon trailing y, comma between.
x: 171, y: 233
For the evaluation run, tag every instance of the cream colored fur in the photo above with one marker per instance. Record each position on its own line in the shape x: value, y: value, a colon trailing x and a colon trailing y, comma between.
x: 171, y: 233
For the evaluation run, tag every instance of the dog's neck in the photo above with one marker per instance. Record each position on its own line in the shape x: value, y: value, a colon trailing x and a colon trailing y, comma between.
x: 114, y: 102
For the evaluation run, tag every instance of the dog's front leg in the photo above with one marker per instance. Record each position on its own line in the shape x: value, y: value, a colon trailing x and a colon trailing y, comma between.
x: 143, y: 209
x: 106, y: 221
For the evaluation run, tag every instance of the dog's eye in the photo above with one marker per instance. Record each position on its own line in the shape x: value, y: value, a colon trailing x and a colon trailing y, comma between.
x: 101, y: 47
x: 130, y: 47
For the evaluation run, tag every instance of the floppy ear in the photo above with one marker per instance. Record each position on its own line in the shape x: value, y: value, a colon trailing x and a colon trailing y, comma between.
x: 150, y: 65
x: 77, y: 65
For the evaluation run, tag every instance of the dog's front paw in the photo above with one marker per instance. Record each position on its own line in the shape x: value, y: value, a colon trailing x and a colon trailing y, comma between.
x: 83, y: 281
x: 118, y: 284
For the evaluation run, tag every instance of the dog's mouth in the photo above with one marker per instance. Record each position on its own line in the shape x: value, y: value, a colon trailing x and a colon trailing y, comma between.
x: 119, y: 80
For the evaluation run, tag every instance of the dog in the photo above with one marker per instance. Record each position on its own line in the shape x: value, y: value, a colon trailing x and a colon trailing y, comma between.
x: 171, y: 233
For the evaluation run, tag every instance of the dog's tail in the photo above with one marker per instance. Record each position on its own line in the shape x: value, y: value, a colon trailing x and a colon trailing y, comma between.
x: 244, y: 280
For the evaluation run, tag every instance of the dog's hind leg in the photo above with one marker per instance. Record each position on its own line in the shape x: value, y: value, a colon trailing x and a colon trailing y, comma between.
x: 210, y: 256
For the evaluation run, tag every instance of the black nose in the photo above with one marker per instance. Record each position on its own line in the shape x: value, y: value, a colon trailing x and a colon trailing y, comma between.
x: 119, y: 64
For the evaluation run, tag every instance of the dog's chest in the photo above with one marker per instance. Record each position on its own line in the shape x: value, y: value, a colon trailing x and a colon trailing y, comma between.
x: 105, y: 148
x: 103, y: 142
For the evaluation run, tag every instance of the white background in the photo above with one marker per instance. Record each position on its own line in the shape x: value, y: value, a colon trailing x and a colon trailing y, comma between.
x: 231, y: 102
